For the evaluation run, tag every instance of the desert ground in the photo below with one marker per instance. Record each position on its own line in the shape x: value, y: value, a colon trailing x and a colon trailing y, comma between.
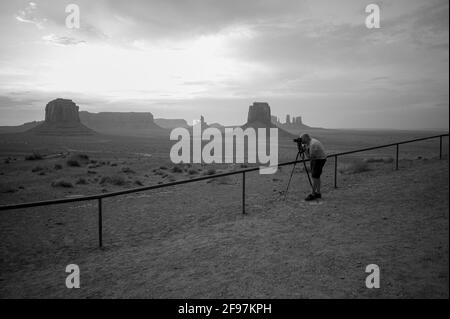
x: 193, y: 241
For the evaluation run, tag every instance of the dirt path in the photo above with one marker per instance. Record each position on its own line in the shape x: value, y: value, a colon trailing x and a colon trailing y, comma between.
x: 395, y: 219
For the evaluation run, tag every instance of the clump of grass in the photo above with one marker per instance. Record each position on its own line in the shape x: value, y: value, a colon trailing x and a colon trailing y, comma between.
x: 177, y: 169
x: 192, y: 171
x: 81, y: 181
x: 127, y: 170
x: 8, y: 189
x: 35, y: 156
x: 58, y: 166
x: 210, y: 171
x: 37, y: 169
x: 163, y: 167
x: 7, y: 161
x: 138, y: 182
x: 73, y: 163
x: 62, y: 183
x: 77, y: 159
x: 355, y: 167
x: 379, y: 160
x: 224, y: 180
x: 113, y: 180
x: 171, y: 178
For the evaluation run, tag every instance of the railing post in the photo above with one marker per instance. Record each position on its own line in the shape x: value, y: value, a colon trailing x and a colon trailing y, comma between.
x: 335, y: 171
x: 396, y: 158
x: 440, y: 147
x: 100, y: 226
x: 243, y: 193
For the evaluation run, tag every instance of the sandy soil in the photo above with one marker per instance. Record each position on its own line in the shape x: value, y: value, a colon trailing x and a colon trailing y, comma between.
x: 192, y: 241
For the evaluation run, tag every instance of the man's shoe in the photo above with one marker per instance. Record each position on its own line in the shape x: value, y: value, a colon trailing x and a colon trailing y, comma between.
x: 310, y: 197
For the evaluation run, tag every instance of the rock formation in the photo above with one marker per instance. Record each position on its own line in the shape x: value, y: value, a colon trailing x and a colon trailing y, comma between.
x: 259, y: 116
x: 122, y: 123
x: 61, y: 118
x: 259, y: 112
x: 171, y: 123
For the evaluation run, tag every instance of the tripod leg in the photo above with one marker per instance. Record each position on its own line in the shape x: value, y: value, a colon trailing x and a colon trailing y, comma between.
x: 292, y: 173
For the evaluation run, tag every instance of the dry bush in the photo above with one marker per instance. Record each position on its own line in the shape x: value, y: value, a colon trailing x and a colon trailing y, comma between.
x: 210, y: 171
x: 73, y: 163
x: 81, y: 181
x: 177, y: 169
x: 7, y: 189
x: 77, y: 159
x: 224, y: 180
x: 113, y: 180
x: 62, y: 183
x: 34, y: 156
x: 355, y: 167
x: 138, y: 182
x: 192, y: 171
x: 385, y: 160
x: 127, y: 170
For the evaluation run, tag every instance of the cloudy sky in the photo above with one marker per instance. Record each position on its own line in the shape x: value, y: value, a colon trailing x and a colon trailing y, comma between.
x: 184, y: 58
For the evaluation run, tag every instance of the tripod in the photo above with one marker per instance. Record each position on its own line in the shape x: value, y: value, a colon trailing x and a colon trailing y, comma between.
x: 302, y: 153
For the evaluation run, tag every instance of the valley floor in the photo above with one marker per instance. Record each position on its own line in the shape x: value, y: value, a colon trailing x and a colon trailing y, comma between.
x: 193, y: 242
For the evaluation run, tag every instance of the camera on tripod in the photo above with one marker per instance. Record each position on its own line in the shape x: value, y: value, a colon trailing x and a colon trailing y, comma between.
x: 301, y: 147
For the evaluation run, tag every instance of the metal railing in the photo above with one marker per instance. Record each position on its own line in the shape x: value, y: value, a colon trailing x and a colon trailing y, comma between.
x: 99, y: 197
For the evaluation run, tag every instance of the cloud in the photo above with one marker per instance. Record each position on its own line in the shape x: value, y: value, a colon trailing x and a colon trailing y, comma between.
x: 31, y: 15
x: 62, y: 40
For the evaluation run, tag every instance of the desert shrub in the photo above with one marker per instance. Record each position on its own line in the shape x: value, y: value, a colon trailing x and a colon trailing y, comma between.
x: 379, y: 160
x: 192, y: 171
x: 7, y: 161
x: 73, y: 163
x: 81, y: 157
x: 77, y: 159
x: 7, y: 189
x: 93, y: 161
x: 177, y: 169
x: 62, y: 183
x: 127, y: 170
x: 34, y: 156
x: 81, y: 181
x: 138, y: 182
x: 210, y: 171
x: 113, y: 180
x: 163, y: 167
x: 373, y: 160
x: 224, y: 180
x: 37, y: 169
x: 58, y: 166
x: 357, y: 166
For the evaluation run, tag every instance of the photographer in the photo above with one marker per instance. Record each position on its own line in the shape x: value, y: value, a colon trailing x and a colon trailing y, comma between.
x: 316, y: 153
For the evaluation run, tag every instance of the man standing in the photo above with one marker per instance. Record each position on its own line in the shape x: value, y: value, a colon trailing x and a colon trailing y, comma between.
x: 316, y: 153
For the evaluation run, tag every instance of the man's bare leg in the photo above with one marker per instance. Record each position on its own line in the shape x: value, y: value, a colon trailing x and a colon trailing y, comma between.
x: 316, y: 185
